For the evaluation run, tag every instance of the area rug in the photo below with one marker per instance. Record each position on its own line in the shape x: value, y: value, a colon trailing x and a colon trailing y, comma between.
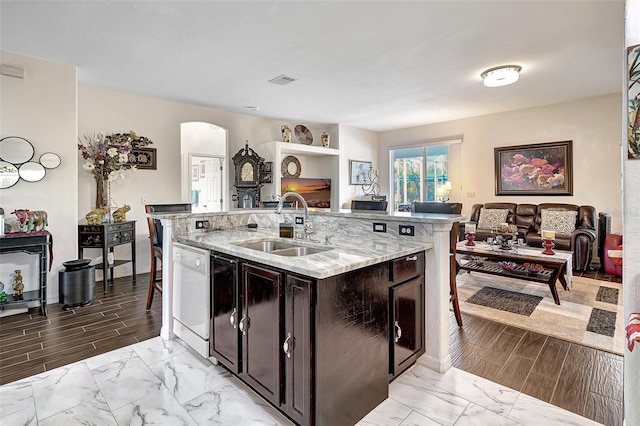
x: 590, y: 313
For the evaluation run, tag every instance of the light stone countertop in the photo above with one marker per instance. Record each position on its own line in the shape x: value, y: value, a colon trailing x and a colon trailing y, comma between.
x: 342, y: 213
x: 347, y: 254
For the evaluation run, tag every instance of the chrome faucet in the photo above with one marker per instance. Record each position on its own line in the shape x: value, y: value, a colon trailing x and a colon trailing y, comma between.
x: 308, y: 227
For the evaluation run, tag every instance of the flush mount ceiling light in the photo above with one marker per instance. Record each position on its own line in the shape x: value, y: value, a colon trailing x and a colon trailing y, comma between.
x: 501, y: 76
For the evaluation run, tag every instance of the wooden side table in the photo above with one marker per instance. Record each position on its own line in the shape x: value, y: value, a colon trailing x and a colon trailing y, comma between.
x: 106, y: 236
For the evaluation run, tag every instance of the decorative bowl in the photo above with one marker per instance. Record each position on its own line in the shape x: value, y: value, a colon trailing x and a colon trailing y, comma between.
x: 71, y: 265
x: 507, y: 266
x: 478, y: 260
x: 532, y: 268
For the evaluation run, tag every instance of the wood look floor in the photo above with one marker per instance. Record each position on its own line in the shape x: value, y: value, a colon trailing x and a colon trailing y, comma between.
x: 583, y: 380
x: 31, y: 344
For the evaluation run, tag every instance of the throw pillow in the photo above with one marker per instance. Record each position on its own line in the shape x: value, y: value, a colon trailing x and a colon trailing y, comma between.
x: 491, y: 218
x: 563, y: 222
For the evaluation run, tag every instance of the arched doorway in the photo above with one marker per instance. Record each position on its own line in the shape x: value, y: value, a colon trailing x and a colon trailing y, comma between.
x: 203, y: 147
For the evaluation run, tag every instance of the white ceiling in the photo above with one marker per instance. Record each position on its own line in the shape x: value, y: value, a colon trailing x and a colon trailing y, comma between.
x: 376, y: 65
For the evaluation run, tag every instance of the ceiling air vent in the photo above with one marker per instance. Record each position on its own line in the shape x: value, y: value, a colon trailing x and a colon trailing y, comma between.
x: 282, y: 80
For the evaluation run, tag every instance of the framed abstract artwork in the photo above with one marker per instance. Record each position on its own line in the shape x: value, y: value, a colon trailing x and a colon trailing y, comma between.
x: 358, y: 171
x: 535, y: 169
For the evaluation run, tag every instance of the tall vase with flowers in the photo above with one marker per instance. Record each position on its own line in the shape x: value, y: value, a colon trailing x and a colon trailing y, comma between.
x: 109, y: 157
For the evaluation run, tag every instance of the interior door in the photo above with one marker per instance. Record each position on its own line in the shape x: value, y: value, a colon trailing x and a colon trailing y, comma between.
x: 206, y: 183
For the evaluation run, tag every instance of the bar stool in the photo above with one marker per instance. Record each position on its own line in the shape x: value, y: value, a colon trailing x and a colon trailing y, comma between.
x: 447, y: 208
x: 155, y: 239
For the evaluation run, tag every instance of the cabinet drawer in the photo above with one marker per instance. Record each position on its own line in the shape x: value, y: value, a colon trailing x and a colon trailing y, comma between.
x: 117, y: 238
x: 406, y: 267
x: 91, y: 239
x: 126, y: 226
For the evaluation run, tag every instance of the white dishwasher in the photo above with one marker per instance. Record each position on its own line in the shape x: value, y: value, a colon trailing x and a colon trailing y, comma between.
x: 191, y: 296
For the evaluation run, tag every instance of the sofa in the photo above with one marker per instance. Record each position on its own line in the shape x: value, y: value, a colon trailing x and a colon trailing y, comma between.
x: 528, y: 219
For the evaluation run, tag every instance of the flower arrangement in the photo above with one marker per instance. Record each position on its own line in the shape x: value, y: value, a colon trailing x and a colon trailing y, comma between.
x: 108, y: 157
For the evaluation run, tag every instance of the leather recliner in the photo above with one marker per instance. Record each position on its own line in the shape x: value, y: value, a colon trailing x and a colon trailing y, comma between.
x: 528, y: 217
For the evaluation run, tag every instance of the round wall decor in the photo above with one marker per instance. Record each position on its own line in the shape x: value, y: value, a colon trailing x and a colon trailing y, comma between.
x: 291, y: 167
x: 303, y: 134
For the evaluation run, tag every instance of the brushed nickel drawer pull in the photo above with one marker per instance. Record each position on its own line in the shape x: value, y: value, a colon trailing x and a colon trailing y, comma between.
x: 398, y: 331
x: 232, y: 318
x: 286, y: 347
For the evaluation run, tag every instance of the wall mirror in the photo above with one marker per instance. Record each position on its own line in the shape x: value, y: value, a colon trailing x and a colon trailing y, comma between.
x: 8, y: 175
x: 15, y: 150
x: 15, y: 162
x: 31, y: 171
x: 50, y: 160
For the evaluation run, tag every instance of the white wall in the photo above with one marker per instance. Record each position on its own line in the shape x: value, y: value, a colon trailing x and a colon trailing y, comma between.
x: 356, y: 144
x: 160, y: 120
x: 631, y: 265
x: 42, y: 109
x: 593, y: 124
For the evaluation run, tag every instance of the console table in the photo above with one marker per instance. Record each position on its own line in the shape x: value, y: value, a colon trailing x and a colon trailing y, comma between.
x: 106, y: 236
x: 30, y: 243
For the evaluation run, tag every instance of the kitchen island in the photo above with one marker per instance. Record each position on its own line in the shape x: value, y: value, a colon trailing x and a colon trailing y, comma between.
x: 338, y: 301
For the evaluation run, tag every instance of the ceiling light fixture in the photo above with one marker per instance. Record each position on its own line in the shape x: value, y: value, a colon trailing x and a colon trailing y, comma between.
x: 501, y: 76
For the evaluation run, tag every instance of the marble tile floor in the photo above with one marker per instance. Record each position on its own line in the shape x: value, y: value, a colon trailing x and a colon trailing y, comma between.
x: 162, y: 382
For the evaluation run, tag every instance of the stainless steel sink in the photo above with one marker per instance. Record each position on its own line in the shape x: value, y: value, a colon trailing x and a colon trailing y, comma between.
x: 282, y: 248
x: 299, y: 251
x: 266, y: 245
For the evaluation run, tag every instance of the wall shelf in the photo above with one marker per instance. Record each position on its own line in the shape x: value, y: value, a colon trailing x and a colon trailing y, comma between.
x: 299, y: 149
x: 316, y: 162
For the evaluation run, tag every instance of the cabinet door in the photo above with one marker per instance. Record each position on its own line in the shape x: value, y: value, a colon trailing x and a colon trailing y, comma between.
x: 261, y: 327
x: 297, y: 349
x: 407, y: 324
x: 225, y: 337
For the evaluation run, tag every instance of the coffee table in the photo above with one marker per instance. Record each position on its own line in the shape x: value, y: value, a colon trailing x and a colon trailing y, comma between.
x: 555, y: 266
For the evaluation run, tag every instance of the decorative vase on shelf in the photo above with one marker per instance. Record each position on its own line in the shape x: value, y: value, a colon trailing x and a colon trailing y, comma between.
x: 286, y: 134
x: 102, y: 193
x: 326, y: 139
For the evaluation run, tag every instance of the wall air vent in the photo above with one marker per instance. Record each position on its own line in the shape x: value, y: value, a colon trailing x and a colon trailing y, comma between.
x: 10, y: 71
x: 282, y: 80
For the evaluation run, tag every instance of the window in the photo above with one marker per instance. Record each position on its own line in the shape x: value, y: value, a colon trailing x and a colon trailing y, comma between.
x: 418, y: 172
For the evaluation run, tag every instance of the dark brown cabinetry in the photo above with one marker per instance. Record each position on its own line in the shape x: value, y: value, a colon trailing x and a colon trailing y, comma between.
x: 297, y: 348
x: 225, y: 312
x: 318, y: 350
x: 261, y: 331
x: 406, y: 312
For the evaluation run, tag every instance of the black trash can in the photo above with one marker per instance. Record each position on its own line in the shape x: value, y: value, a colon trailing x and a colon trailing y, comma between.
x: 77, y: 284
